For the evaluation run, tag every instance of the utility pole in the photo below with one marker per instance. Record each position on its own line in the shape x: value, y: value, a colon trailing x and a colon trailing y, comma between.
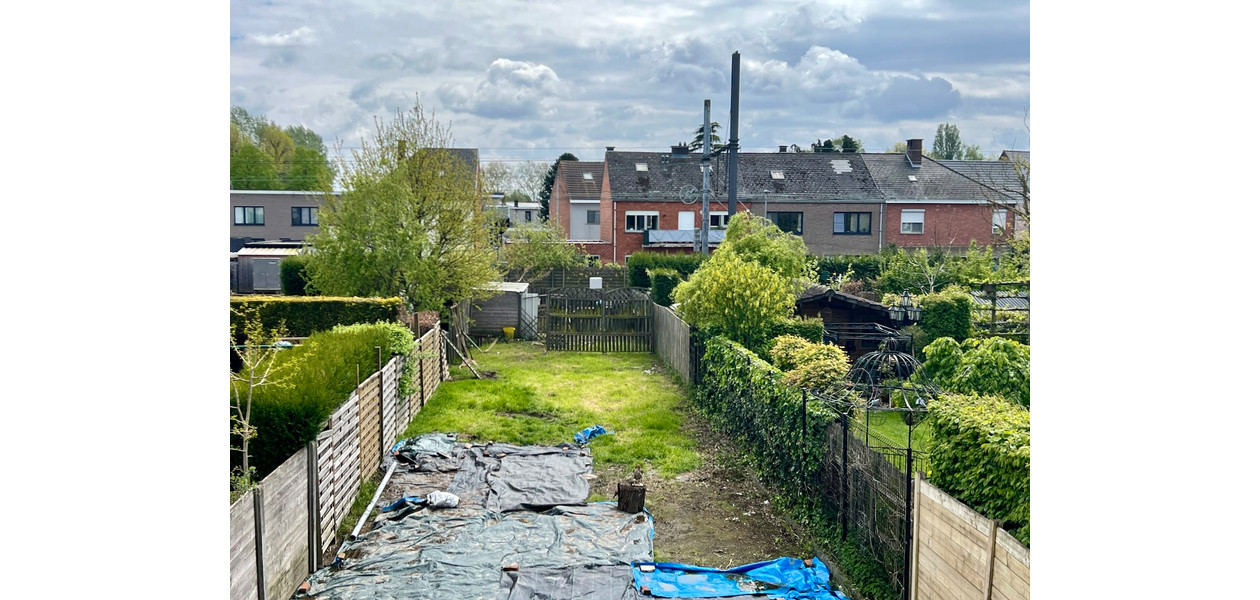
x: 733, y: 146
x: 704, y: 192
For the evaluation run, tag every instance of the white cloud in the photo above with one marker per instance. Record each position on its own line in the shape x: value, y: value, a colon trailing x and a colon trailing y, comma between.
x: 302, y: 36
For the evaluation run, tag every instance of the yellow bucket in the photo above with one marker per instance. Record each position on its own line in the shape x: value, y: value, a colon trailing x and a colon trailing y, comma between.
x: 509, y: 332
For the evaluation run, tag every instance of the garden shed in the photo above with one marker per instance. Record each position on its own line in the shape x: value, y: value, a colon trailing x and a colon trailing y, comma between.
x: 857, y: 324
x: 511, y: 305
x: 256, y: 267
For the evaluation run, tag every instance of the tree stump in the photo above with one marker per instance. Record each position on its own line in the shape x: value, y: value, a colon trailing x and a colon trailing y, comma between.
x: 630, y: 497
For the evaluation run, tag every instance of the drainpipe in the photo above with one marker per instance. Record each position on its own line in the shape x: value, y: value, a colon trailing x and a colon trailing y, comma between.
x: 614, y: 226
x: 882, y: 225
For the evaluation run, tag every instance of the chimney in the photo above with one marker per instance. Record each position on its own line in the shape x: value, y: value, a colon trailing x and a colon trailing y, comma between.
x: 608, y: 148
x: 679, y: 151
x: 782, y: 149
x: 914, y: 152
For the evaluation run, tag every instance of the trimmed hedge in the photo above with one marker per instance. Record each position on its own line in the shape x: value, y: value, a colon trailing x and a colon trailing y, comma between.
x: 663, y: 283
x: 639, y: 263
x: 325, y: 371
x: 946, y: 314
x: 293, y: 279
x: 982, y: 456
x: 865, y: 266
x: 304, y: 315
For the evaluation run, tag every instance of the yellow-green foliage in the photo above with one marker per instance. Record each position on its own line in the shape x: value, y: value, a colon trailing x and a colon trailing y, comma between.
x: 304, y: 315
x: 737, y: 298
x: 783, y: 351
x: 812, y: 365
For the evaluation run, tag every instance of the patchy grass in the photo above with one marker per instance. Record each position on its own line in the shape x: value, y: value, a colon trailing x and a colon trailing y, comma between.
x: 545, y: 398
x: 892, y: 426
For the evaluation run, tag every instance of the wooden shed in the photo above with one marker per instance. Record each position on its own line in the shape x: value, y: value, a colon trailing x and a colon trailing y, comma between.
x: 512, y: 305
x: 857, y: 324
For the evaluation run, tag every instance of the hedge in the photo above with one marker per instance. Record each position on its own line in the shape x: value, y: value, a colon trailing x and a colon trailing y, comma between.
x: 293, y: 279
x: 865, y: 266
x: 981, y: 455
x: 639, y: 263
x: 663, y: 283
x: 325, y: 370
x: 946, y: 314
x: 304, y: 315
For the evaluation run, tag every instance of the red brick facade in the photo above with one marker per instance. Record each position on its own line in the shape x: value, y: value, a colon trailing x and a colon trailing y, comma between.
x: 945, y: 225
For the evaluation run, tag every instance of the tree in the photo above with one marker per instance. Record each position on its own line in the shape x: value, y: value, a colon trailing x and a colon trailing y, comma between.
x: 298, y: 158
x: 410, y: 221
x: 251, y: 169
x: 738, y: 298
x: 549, y: 180
x: 533, y: 248
x: 715, y: 141
x: 823, y: 146
x: 278, y: 146
x: 973, y: 153
x: 897, y: 148
x: 947, y: 145
x: 308, y: 171
x: 257, y: 348
x: 756, y: 239
x: 849, y: 144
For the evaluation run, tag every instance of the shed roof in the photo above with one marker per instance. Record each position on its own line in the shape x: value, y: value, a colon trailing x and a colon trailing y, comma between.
x: 507, y: 286
x: 818, y: 291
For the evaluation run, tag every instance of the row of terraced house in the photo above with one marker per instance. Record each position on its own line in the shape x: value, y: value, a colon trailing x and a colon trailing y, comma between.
x: 839, y: 203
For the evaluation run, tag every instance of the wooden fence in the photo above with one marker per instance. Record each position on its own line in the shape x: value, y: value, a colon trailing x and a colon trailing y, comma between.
x: 580, y: 277
x: 585, y: 320
x: 958, y: 554
x: 672, y: 340
x: 281, y: 529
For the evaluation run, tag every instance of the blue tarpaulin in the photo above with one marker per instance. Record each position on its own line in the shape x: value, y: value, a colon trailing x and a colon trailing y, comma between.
x: 779, y: 578
x: 584, y: 436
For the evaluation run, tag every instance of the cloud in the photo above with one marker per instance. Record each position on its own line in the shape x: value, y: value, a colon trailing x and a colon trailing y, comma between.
x: 510, y: 89
x: 915, y: 98
x: 302, y: 36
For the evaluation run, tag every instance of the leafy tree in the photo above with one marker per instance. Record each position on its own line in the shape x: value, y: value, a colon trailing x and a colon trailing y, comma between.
x: 715, y: 140
x: 251, y: 169
x: 533, y: 248
x: 544, y: 195
x: 897, y: 148
x: 824, y: 146
x: 257, y: 348
x: 849, y: 144
x: 278, y: 146
x: 947, y: 145
x: 920, y: 271
x: 992, y: 367
x: 308, y: 171
x: 973, y: 153
x: 250, y: 126
x: 409, y: 223
x: 756, y: 239
x: 305, y: 138
x: 736, y: 297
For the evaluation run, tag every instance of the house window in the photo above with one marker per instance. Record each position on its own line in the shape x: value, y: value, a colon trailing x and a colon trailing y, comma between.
x: 642, y: 220
x: 718, y: 220
x: 999, y: 222
x: 305, y: 215
x: 640, y: 167
x: 588, y: 176
x: 851, y: 223
x: 248, y: 215
x: 911, y: 220
x: 776, y: 174
x: 529, y: 216
x: 787, y: 221
x: 592, y: 217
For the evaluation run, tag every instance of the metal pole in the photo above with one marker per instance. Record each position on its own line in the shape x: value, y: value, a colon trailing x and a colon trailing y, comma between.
x: 905, y: 571
x: 260, y: 531
x: 704, y: 194
x: 844, y: 478
x: 733, y: 146
x: 804, y: 436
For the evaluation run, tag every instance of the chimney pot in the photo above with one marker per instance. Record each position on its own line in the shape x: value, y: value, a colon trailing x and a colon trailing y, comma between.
x: 783, y: 148
x: 914, y: 152
x: 609, y: 148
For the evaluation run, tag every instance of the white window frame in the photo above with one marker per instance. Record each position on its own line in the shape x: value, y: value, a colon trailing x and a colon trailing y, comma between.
x: 911, y: 217
x: 646, y: 214
x: 999, y: 221
x: 724, y: 218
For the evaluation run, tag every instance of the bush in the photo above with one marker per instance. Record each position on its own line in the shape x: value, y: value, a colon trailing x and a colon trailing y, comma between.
x: 639, y: 263
x: 330, y: 365
x: 784, y: 350
x: 741, y: 299
x: 918, y: 337
x: 810, y: 365
x: 809, y: 328
x: 293, y: 279
x: 856, y: 267
x: 981, y: 455
x: 303, y: 316
x: 992, y: 366
x: 663, y: 283
x: 946, y: 314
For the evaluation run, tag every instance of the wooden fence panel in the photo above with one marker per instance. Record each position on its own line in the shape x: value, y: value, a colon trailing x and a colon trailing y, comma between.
x: 672, y: 340
x: 243, y: 553
x: 389, y: 402
x: 369, y: 426
x: 338, y: 457
x: 285, y: 514
x: 961, y: 555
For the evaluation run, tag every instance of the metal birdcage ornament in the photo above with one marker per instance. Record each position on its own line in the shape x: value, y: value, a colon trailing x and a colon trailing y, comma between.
x: 886, y: 379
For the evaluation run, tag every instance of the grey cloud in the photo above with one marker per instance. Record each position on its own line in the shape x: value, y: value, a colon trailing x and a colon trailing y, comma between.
x: 914, y: 98
x: 510, y: 89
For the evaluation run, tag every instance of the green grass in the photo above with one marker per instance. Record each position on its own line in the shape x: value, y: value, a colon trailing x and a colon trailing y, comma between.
x: 544, y: 399
x: 891, y: 426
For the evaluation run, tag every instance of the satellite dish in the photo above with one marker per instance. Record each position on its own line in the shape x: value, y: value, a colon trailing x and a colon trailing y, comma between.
x: 687, y: 194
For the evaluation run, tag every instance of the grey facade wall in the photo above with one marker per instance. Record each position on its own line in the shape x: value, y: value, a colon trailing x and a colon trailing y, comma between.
x: 816, y: 225
x: 277, y: 213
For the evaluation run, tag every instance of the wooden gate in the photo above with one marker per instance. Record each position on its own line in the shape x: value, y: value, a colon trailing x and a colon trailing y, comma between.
x: 585, y: 320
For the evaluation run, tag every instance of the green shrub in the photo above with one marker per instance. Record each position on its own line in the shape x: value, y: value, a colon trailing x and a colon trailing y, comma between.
x: 809, y: 328
x: 918, y: 337
x: 946, y: 314
x: 991, y: 366
x: 663, y: 283
x: 639, y: 263
x: 293, y: 279
x: 331, y: 365
x: 304, y: 315
x: 784, y: 350
x: 851, y: 267
x: 981, y: 455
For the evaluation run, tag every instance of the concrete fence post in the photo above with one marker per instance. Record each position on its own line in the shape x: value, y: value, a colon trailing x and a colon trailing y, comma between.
x: 259, y: 536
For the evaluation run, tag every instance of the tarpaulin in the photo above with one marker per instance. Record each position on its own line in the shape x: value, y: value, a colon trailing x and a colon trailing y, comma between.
x: 504, y: 477
x: 430, y: 452
x: 570, y: 583
x: 779, y: 578
x: 460, y: 552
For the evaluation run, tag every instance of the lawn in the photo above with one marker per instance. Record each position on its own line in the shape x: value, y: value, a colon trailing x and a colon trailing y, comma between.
x: 891, y: 426
x: 545, y: 398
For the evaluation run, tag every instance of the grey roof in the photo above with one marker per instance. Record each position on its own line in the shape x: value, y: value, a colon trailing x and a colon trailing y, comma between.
x: 571, y: 171
x: 807, y: 177
x: 817, y: 291
x: 933, y: 180
x: 1001, y: 175
x: 1023, y: 156
x: 1006, y: 300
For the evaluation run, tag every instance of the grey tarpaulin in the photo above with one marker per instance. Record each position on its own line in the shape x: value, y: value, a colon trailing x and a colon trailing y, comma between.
x: 570, y: 583
x: 504, y: 477
x: 430, y: 452
x: 460, y: 552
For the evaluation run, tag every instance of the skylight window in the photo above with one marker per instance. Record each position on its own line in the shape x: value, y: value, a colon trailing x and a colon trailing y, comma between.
x: 641, y: 167
x: 776, y: 174
x: 587, y: 176
x: 912, y: 177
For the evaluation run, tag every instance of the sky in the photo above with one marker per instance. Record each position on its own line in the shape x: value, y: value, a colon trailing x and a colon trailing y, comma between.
x: 531, y: 80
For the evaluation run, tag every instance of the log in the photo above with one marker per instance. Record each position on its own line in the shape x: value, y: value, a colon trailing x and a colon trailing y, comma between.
x: 630, y: 497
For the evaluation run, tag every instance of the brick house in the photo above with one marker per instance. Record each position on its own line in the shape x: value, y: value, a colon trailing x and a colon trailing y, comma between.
x: 577, y: 204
